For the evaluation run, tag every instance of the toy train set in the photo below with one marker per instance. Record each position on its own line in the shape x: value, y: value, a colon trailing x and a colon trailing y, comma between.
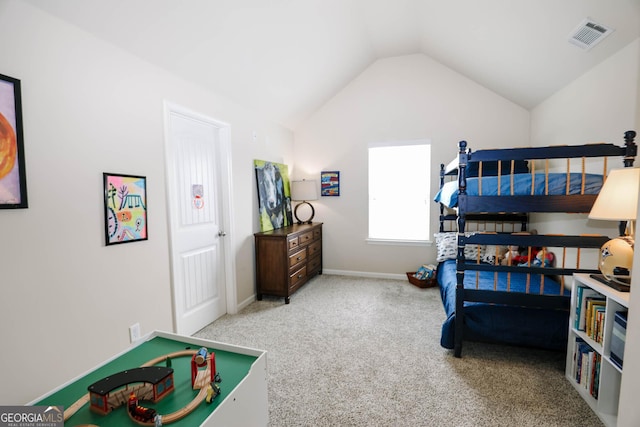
x: 152, y: 383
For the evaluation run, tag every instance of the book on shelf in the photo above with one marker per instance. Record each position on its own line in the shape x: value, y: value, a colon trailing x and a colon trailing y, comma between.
x: 586, y: 367
x: 618, y: 338
x: 595, y: 315
x: 582, y: 294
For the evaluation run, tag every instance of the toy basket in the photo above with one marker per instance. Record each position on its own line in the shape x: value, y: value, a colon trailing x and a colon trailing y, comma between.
x: 425, y: 283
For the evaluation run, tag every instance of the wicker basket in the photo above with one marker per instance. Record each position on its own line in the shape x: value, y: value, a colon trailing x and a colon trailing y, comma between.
x: 425, y: 283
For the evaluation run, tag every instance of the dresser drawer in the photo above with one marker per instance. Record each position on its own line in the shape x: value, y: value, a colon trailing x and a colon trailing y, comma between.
x: 314, y: 265
x: 293, y: 243
x: 314, y: 248
x: 317, y: 234
x: 297, y: 277
x: 305, y: 238
x: 297, y: 257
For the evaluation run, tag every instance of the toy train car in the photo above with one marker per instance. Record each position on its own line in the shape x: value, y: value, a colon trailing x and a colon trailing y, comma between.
x: 143, y: 414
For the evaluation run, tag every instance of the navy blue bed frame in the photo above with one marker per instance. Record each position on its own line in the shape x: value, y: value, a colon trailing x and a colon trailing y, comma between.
x: 515, y: 209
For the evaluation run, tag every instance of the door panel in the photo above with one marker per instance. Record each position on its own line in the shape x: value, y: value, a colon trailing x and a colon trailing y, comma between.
x: 195, y: 216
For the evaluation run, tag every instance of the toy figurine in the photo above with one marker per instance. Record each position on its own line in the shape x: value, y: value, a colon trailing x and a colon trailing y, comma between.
x: 133, y: 401
x: 212, y: 392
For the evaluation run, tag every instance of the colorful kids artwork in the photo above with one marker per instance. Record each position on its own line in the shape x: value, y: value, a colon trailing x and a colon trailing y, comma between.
x: 330, y: 183
x: 125, y: 206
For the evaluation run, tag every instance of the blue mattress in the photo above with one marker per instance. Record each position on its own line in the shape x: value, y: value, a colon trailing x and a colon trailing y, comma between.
x: 524, y: 326
x: 557, y: 185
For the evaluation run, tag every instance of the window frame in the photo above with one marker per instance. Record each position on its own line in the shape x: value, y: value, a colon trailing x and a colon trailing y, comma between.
x: 400, y: 241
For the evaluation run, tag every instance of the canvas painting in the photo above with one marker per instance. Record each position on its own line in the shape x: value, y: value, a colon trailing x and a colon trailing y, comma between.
x: 13, y: 184
x: 274, y: 195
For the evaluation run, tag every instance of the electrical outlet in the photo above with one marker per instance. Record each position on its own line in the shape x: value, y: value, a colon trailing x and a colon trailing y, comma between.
x: 134, y: 332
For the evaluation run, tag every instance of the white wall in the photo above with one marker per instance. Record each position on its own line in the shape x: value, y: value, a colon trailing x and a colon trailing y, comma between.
x: 630, y: 388
x: 401, y: 98
x: 88, y: 108
x: 599, y: 106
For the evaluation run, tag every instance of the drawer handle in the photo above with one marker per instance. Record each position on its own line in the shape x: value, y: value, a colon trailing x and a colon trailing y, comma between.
x: 300, y: 276
x: 298, y: 259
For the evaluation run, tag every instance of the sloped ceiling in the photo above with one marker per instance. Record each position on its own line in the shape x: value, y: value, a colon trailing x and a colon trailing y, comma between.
x: 285, y: 58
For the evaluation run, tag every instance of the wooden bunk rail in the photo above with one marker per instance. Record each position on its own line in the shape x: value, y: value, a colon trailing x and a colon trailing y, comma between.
x: 578, y: 203
x: 559, y: 241
x: 543, y: 271
x: 519, y: 299
x: 516, y: 217
x: 550, y: 152
x: 484, y: 222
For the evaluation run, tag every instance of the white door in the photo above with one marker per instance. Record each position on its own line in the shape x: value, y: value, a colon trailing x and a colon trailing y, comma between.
x: 196, y: 216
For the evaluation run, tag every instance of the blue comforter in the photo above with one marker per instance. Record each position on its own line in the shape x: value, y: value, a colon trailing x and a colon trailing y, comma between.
x: 557, y: 185
x: 499, y: 323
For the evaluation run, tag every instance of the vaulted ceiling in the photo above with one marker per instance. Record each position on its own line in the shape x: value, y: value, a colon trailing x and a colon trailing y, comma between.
x: 285, y: 58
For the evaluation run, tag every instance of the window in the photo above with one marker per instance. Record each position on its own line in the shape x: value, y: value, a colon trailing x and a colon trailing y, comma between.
x: 399, y: 190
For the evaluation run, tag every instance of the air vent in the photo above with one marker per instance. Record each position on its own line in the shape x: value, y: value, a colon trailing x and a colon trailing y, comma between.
x: 588, y: 34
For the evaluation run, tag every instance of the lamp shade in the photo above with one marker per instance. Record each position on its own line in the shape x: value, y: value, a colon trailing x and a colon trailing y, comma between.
x: 304, y: 190
x: 618, y: 198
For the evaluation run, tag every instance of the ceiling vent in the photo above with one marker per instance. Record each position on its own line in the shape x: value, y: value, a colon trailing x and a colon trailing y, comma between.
x: 588, y: 34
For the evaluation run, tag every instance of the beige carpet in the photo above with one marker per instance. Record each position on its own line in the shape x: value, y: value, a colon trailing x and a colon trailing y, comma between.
x: 365, y: 352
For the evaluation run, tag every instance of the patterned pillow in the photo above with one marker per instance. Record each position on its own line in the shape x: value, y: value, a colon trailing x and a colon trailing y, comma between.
x: 447, y: 247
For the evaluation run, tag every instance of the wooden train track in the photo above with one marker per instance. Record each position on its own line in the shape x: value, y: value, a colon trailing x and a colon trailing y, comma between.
x: 168, y: 418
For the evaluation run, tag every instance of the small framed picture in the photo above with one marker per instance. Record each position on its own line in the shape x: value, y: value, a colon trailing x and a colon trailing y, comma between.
x: 330, y: 183
x: 13, y: 176
x: 125, y: 208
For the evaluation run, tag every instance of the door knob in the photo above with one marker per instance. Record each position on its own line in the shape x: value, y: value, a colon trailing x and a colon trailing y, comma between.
x: 221, y: 233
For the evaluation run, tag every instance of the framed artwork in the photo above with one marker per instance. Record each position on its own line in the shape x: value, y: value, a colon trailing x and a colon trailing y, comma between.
x: 13, y: 177
x: 330, y: 183
x: 274, y: 195
x: 125, y: 208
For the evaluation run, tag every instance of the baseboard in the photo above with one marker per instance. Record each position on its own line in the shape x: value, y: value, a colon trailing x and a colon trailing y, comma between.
x: 245, y: 303
x: 365, y: 274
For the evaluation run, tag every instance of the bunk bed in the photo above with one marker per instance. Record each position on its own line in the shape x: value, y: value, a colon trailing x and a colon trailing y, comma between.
x: 523, y: 298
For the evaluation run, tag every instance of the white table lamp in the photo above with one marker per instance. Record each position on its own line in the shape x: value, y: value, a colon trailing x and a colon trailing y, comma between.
x: 618, y: 201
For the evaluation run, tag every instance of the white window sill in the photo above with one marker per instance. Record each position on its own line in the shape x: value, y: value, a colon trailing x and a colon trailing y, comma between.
x: 394, y: 242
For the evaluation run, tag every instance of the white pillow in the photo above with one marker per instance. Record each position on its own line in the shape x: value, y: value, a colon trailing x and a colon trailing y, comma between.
x: 447, y: 247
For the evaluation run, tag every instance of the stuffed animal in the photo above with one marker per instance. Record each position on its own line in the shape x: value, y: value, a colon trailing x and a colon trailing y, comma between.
x: 521, y: 259
x: 511, y: 256
x: 544, y: 258
x: 540, y: 257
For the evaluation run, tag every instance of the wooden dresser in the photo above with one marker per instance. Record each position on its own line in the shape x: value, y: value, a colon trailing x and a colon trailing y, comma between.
x: 287, y: 258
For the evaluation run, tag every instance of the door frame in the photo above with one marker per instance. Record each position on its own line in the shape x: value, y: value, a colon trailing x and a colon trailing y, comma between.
x: 226, y: 198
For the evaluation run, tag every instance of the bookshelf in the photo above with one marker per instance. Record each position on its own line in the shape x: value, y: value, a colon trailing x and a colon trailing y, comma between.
x: 591, y: 333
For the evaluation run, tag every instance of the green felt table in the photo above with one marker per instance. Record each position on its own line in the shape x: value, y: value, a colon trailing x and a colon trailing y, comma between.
x: 231, y: 366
